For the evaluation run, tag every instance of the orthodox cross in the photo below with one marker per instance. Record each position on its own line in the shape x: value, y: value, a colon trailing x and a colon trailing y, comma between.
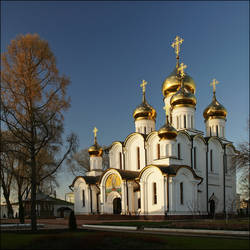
x: 213, y: 83
x: 143, y: 86
x: 176, y: 45
x: 95, y: 132
x: 181, y: 69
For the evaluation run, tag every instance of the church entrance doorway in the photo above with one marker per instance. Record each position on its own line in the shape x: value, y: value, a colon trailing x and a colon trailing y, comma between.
x: 117, y: 205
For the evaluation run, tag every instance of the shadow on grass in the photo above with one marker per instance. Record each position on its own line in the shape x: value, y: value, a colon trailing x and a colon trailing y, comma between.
x: 87, y: 239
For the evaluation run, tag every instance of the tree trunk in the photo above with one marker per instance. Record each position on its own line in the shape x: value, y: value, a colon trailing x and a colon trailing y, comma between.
x: 21, y: 208
x: 7, y: 199
x: 33, y: 192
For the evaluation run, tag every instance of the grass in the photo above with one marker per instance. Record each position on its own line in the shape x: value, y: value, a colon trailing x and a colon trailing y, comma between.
x: 232, y: 224
x: 85, y: 239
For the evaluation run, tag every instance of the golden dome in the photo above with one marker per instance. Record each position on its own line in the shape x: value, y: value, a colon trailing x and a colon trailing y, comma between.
x: 183, y: 98
x: 167, y: 132
x: 172, y: 83
x: 215, y: 110
x: 144, y: 111
x: 95, y: 150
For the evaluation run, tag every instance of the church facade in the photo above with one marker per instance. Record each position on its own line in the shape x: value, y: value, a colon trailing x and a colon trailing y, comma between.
x: 177, y: 170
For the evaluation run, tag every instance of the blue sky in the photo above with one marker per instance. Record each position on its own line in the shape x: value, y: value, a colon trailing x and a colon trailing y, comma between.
x: 107, y: 48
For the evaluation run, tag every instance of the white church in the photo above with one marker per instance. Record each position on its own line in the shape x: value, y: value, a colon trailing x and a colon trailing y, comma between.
x: 176, y: 170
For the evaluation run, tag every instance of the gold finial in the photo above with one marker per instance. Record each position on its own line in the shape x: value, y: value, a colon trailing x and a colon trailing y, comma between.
x: 143, y: 86
x: 176, y: 45
x: 181, y: 69
x: 213, y: 83
x: 95, y: 132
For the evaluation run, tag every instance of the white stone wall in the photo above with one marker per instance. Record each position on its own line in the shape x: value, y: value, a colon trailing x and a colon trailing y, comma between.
x: 178, y: 114
x: 114, y: 156
x: 144, y: 126
x: 211, y: 129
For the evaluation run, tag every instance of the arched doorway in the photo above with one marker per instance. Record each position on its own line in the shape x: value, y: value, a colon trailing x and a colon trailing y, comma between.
x: 117, y: 206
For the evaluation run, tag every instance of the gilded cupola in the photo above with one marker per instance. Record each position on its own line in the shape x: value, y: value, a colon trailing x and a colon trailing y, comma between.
x: 167, y: 131
x: 95, y: 150
x: 183, y: 97
x: 172, y: 83
x: 144, y: 111
x: 215, y: 110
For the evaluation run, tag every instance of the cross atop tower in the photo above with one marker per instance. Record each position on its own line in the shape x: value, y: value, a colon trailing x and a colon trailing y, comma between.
x: 213, y: 83
x: 95, y: 132
x: 143, y: 86
x: 176, y: 45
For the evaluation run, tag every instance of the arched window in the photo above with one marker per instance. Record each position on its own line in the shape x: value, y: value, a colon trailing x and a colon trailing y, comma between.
x: 144, y: 130
x: 154, y: 193
x: 158, y: 151
x: 167, y: 149
x: 120, y: 158
x: 83, y: 198
x: 138, y: 157
x: 181, y: 193
x: 217, y: 130
x: 210, y: 131
x: 179, y: 151
x: 139, y: 203
x: 211, y: 160
x: 185, y: 121
x: 177, y: 121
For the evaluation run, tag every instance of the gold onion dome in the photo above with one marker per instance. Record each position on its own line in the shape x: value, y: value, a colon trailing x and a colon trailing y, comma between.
x: 172, y: 83
x: 96, y: 149
x: 144, y: 110
x: 183, y: 98
x: 215, y: 110
x: 167, y: 132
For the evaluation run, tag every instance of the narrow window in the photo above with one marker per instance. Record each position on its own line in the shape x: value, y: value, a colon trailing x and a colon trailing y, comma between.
x: 210, y: 131
x: 217, y: 133
x: 211, y: 160
x: 167, y: 150
x: 138, y: 158
x: 139, y: 203
x: 154, y: 193
x: 179, y: 151
x: 181, y: 193
x: 192, y: 122
x: 194, y: 157
x: 120, y: 157
x: 158, y: 151
x: 83, y: 198
x: 144, y: 130
x: 177, y: 121
x: 185, y: 121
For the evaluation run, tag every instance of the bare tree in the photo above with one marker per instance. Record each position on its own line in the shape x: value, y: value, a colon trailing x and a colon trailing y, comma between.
x: 33, y: 98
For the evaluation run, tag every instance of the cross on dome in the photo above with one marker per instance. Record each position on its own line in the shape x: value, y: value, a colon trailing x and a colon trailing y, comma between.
x: 95, y: 132
x: 213, y: 83
x: 143, y: 86
x: 176, y: 45
x: 181, y: 69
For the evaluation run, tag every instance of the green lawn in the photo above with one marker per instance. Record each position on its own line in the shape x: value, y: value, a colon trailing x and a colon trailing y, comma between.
x: 112, y: 240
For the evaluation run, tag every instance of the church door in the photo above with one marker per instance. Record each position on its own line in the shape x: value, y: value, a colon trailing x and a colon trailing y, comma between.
x: 117, y: 206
